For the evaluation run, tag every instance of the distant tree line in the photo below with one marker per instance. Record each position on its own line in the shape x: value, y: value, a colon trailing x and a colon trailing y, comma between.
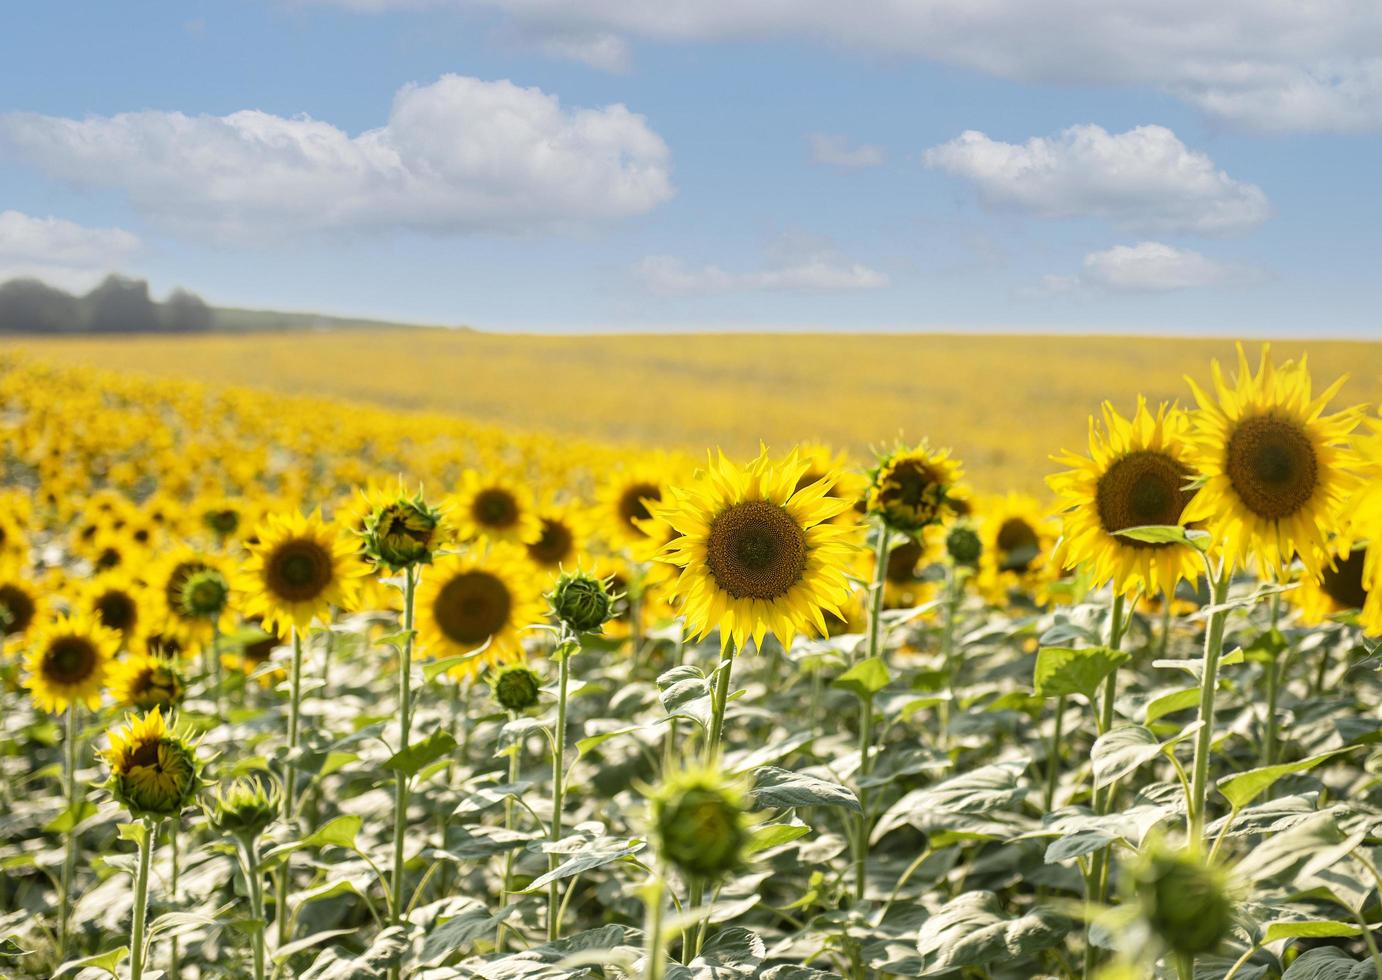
x: 118, y: 305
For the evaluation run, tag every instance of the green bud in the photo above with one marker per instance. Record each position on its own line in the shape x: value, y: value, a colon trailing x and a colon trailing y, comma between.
x: 243, y: 808
x: 402, y: 533
x: 153, y: 767
x: 1183, y: 901
x: 964, y: 545
x: 205, y: 594
x: 516, y: 687
x: 582, y: 602
x: 222, y: 522
x: 701, y: 825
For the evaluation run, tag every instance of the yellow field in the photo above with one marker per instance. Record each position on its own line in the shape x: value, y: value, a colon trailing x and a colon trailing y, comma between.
x: 1003, y: 403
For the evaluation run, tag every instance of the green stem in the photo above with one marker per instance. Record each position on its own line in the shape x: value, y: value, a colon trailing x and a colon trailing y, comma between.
x: 141, y: 900
x: 1098, y: 873
x: 949, y: 605
x: 1053, y: 755
x: 507, y: 887
x: 880, y: 569
x: 254, y: 888
x: 654, y: 959
x: 1209, y: 681
x: 216, y: 683
x: 69, y: 861
x: 405, y: 720
x: 289, y: 789
x: 174, y: 966
x: 1164, y: 637
x: 718, y: 700
x: 861, y: 843
x: 566, y: 651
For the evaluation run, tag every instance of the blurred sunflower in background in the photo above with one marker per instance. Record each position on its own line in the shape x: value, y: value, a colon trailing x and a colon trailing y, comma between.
x: 119, y: 602
x: 483, y: 597
x: 297, y: 571
x: 23, y: 604
x: 493, y: 507
x: 913, y: 488
x: 1016, y: 536
x: 1276, y: 469
x: 628, y: 499
x: 67, y: 662
x: 1137, y: 474
x: 144, y: 682
x: 564, y: 537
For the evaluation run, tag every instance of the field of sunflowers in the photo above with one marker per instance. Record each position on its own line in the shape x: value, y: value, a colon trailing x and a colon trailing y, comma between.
x: 293, y: 687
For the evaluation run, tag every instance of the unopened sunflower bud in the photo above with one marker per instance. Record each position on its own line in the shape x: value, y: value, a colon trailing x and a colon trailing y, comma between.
x: 516, y: 687
x: 582, y: 602
x: 243, y: 808
x: 402, y: 533
x: 964, y: 545
x: 153, y: 768
x: 911, y: 488
x: 701, y: 823
x: 221, y: 521
x: 1184, y: 901
x: 205, y: 594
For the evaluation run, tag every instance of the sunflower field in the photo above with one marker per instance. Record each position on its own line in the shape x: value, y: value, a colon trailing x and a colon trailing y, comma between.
x: 293, y: 687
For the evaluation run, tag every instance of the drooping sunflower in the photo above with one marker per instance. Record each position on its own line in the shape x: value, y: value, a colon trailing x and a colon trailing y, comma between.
x: 493, y: 507
x: 144, y: 682
x: 913, y: 488
x: 757, y: 554
x: 298, y: 569
x: 1136, y: 474
x: 466, y: 601
x: 68, y: 661
x: 1276, y: 469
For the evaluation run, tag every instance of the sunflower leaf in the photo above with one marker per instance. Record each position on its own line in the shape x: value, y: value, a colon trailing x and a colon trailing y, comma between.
x: 107, y: 961
x: 1071, y: 670
x: 865, y: 679
x: 421, y: 754
x: 1242, y: 788
x: 1169, y: 534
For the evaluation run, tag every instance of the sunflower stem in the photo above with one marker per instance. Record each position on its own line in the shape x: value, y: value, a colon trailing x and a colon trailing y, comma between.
x: 880, y: 569
x: 654, y: 958
x: 289, y: 788
x: 1053, y: 759
x: 565, y: 652
x: 1209, y: 680
x: 141, y: 899
x: 216, y: 681
x: 174, y: 966
x: 254, y: 888
x: 507, y: 886
x: 405, y: 712
x: 1098, y: 872
x: 69, y: 861
x: 1273, y: 678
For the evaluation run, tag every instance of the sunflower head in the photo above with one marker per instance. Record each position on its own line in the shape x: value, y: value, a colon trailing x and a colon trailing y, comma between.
x: 243, y: 808
x: 494, y: 507
x: 144, y: 682
x: 402, y: 532
x: 702, y: 824
x: 298, y: 569
x: 1183, y: 900
x: 516, y: 687
x: 581, y: 602
x: 483, y: 599
x: 205, y: 593
x: 912, y: 488
x: 20, y: 602
x: 964, y: 545
x: 221, y: 520
x: 68, y: 660
x: 1277, y: 470
x: 153, y: 767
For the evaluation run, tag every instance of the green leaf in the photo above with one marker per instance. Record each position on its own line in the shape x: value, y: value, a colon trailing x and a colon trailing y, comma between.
x: 971, y: 931
x: 70, y: 817
x: 774, y: 835
x: 337, y: 832
x: 1242, y: 788
x: 781, y: 789
x: 286, y: 952
x: 8, y: 947
x: 1069, y: 670
x: 1310, y: 929
x: 591, y: 741
x: 1169, y: 534
x: 107, y: 961
x: 1169, y: 704
x: 685, y: 693
x: 434, y: 668
x: 421, y: 754
x: 865, y: 679
x: 456, y: 931
x: 591, y: 854
x: 133, y: 832
x: 1123, y: 750
x: 1328, y: 963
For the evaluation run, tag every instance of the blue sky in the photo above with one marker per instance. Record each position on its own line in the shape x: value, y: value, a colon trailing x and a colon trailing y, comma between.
x: 705, y: 164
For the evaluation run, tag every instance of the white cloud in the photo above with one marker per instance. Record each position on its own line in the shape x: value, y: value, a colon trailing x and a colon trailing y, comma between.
x: 1151, y: 267
x: 1266, y: 64
x: 835, y: 151
x: 60, y: 252
x: 1142, y: 180
x: 457, y: 155
x: 821, y: 272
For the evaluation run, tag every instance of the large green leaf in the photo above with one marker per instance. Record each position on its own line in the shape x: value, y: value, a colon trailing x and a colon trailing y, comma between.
x: 108, y: 961
x: 1123, y: 750
x: 1329, y: 963
x: 865, y: 679
x: 419, y: 755
x: 1242, y: 788
x: 1062, y: 671
x: 972, y: 931
x: 781, y: 789
x: 589, y: 854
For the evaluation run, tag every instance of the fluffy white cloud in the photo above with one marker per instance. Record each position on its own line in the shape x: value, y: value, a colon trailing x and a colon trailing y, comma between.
x: 1143, y: 180
x: 457, y: 155
x: 1267, y: 64
x: 836, y: 151
x: 823, y: 272
x: 60, y: 252
x: 1151, y: 267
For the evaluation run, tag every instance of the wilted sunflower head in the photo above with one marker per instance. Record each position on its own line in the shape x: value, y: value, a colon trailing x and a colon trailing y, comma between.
x: 145, y: 682
x: 911, y: 488
x: 1184, y: 901
x: 582, y: 602
x: 1277, y: 470
x: 701, y: 822
x: 516, y: 687
x: 153, y: 767
x: 68, y: 660
x: 243, y: 807
x: 401, y: 532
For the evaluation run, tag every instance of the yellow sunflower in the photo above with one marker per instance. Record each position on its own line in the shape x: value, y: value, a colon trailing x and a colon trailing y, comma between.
x: 1135, y: 475
x: 118, y: 602
x: 851, y: 484
x: 298, y: 569
x: 628, y: 499
x: 14, y: 542
x: 466, y: 601
x: 67, y: 662
x: 756, y: 553
x: 153, y: 768
x: 913, y: 488
x: 565, y: 534
x: 22, y: 605
x: 1339, y: 588
x: 493, y: 507
x: 1276, y: 469
x: 144, y: 682
x: 190, y: 592
x: 1017, y: 539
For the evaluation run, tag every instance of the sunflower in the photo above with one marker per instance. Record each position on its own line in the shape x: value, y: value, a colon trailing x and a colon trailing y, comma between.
x: 144, y: 682
x: 186, y: 584
x: 628, y: 500
x: 22, y: 604
x: 67, y: 662
x: 850, y: 484
x: 466, y: 601
x: 1276, y: 469
x: 297, y: 571
x: 756, y: 553
x: 493, y: 507
x: 1017, y: 539
x: 904, y: 584
x: 912, y: 488
x: 153, y: 768
x: 1339, y: 588
x: 562, y: 543
x: 118, y: 602
x: 14, y: 542
x: 1135, y: 475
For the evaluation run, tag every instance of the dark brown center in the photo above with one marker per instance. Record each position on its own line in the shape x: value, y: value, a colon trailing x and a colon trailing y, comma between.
x: 494, y: 507
x: 1018, y: 545
x: 554, y: 546
x: 755, y: 550
x: 1143, y: 488
x: 298, y: 570
x: 69, y: 660
x: 1272, y: 465
x: 631, y: 503
x: 902, y: 561
x: 17, y: 610
x: 472, y: 607
x: 117, y: 610
x: 1344, y: 582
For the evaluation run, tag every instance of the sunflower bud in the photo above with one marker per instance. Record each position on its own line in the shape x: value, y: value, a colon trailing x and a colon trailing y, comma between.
x: 911, y: 488
x: 205, y: 594
x: 964, y: 545
x: 243, y: 808
x: 221, y: 521
x: 516, y: 687
x: 153, y: 768
x: 701, y: 824
x: 1183, y: 900
x: 402, y: 533
x: 582, y: 602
